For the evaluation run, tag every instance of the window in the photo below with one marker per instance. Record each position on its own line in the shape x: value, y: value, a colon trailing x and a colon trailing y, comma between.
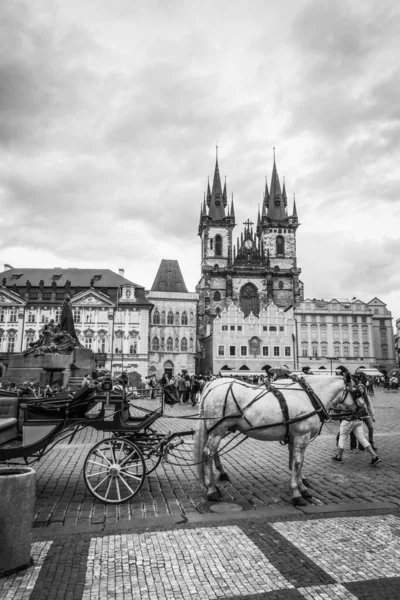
x: 280, y: 285
x: 355, y: 333
x: 357, y: 350
x: 277, y: 351
x: 265, y: 328
x: 335, y: 319
x: 184, y: 345
x: 57, y: 315
x: 324, y: 349
x: 336, y: 332
x: 303, y: 331
x: 13, y: 315
x: 170, y: 318
x: 89, y: 318
x: 163, y: 317
x: 280, y: 245
x: 363, y: 319
x: 336, y: 349
x: 322, y: 318
x: 211, y: 244
x: 156, y: 318
x: 346, y: 350
x: 184, y: 318
x: 345, y: 332
x: 303, y: 318
x: 382, y: 322
x: 221, y: 350
x: 344, y: 319
x: 313, y: 332
x: 191, y: 344
x: 2, y: 315
x: 217, y: 296
x: 239, y: 328
x: 232, y: 328
x: 281, y: 328
x: 29, y: 340
x: 88, y: 343
x: 177, y: 318
x: 243, y: 350
x: 304, y: 349
x: 265, y: 351
x: 31, y: 317
x: 366, y: 349
x: 162, y: 346
x: 102, y: 345
x: 176, y: 345
x: 376, y: 311
x: 323, y: 331
x: 315, y: 349
x: 77, y: 315
x: 45, y: 319
x: 354, y: 319
x: 232, y: 350
x: 218, y: 245
x: 288, y: 351
x: 191, y: 318
x: 11, y: 344
x: 224, y: 327
x: 365, y: 333
x: 170, y: 344
x: 272, y: 328
x: 133, y: 348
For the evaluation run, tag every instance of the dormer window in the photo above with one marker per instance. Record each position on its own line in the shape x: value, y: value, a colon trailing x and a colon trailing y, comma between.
x: 56, y: 277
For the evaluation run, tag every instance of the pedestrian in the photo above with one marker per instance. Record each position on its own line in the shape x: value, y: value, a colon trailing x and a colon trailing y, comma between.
x: 354, y: 423
x: 195, y: 388
x: 181, y: 385
x: 152, y: 385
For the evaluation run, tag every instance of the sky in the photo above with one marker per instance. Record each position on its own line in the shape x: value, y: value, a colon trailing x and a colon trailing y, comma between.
x: 110, y: 113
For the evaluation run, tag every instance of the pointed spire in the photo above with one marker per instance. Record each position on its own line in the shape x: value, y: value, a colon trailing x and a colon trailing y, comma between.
x: 217, y: 210
x: 284, y: 192
x: 276, y: 208
x: 266, y: 193
x: 224, y: 196
x: 232, y: 211
x: 294, y: 215
x: 208, y: 193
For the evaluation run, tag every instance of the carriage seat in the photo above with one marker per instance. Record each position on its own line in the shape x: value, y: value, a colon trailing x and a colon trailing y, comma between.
x: 8, y: 419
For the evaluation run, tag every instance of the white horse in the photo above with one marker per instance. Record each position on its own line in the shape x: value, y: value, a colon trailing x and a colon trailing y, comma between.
x: 232, y: 405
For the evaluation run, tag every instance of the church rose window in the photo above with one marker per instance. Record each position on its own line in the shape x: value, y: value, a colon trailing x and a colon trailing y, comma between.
x: 249, y: 300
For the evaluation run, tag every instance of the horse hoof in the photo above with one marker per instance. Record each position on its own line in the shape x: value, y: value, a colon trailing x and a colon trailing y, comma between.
x: 306, y: 482
x: 299, y: 502
x: 214, y: 496
x: 306, y: 494
x: 224, y: 477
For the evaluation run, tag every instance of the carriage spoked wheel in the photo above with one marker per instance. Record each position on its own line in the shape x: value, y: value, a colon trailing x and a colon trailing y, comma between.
x: 114, y: 470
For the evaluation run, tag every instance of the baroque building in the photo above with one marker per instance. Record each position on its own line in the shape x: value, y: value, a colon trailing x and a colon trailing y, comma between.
x: 111, y: 313
x: 172, y: 331
x: 257, y: 270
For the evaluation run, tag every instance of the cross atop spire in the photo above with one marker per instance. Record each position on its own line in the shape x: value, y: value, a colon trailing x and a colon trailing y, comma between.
x: 248, y: 223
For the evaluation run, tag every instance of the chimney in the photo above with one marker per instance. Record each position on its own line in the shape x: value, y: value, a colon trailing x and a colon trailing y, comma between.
x: 121, y: 272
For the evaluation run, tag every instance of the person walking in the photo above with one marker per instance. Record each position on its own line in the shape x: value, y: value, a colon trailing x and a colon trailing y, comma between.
x: 181, y: 385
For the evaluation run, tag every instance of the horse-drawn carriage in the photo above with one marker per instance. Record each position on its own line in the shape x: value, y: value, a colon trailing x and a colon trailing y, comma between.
x: 116, y: 466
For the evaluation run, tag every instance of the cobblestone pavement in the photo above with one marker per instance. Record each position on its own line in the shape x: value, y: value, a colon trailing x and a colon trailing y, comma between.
x: 258, y: 472
x: 331, y: 558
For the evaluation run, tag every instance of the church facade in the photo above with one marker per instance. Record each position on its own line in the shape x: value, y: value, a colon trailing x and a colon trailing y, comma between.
x: 247, y: 276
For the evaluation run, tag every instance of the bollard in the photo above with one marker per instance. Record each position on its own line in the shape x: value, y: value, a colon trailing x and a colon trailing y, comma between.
x: 17, y: 501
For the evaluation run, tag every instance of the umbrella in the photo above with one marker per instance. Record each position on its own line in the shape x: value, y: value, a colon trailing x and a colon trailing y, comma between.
x: 394, y: 373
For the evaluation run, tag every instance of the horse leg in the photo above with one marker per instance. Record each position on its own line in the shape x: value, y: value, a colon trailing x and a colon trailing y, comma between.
x: 210, y: 451
x: 305, y: 482
x: 303, y: 486
x: 223, y: 475
x: 299, y: 446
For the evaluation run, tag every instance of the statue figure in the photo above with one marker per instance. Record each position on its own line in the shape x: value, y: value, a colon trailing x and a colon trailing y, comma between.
x: 67, y: 319
x: 41, y: 285
x: 54, y: 285
x: 4, y: 283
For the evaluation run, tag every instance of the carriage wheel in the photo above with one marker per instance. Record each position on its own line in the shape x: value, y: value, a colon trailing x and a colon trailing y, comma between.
x: 114, y: 470
x: 151, y: 460
x: 148, y: 442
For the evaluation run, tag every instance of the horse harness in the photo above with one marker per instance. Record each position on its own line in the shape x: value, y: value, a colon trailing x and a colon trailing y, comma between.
x: 319, y: 408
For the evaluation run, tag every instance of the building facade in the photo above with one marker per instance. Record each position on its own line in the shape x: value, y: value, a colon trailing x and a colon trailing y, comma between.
x: 352, y: 333
x: 257, y: 270
x: 111, y: 313
x: 172, y: 331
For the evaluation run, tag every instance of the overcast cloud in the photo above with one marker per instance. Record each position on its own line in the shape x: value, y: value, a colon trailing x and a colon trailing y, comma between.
x: 110, y: 113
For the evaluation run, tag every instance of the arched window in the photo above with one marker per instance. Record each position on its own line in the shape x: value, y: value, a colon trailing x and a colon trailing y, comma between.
x: 249, y: 300
x: 11, y: 344
x: 218, y: 310
x: 102, y: 345
x: 184, y: 345
x: 155, y: 346
x: 13, y: 317
x: 314, y: 349
x: 366, y: 349
x: 280, y: 245
x: 163, y: 317
x: 133, y: 348
x: 346, y: 349
x: 357, y: 349
x: 218, y: 245
x: 177, y: 318
x: 156, y: 318
x: 304, y: 349
x: 191, y: 344
x: 191, y: 318
x: 170, y: 344
x: 217, y: 296
x: 176, y: 345
x: 184, y: 318
x: 336, y: 349
x: 170, y: 318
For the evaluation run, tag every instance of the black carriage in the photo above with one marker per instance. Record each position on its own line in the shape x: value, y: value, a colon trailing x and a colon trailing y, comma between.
x: 115, y: 467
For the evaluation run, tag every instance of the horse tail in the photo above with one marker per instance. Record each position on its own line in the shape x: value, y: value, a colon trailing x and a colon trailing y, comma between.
x: 200, y: 440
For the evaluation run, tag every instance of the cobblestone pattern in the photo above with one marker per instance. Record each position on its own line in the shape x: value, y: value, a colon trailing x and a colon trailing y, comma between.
x: 258, y: 471
x: 322, y: 559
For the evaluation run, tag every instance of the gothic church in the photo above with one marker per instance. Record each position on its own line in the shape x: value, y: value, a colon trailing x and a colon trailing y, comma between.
x: 259, y: 270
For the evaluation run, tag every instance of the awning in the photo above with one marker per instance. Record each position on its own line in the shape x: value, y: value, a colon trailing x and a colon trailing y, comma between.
x: 370, y: 372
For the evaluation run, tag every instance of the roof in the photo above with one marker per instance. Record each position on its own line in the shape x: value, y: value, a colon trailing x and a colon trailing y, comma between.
x: 372, y: 372
x: 104, y: 278
x: 169, y: 278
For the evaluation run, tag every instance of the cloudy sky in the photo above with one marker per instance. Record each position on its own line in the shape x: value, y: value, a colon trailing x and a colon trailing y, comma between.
x: 110, y: 113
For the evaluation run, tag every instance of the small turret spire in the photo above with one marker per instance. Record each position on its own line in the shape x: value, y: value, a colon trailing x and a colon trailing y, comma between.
x: 266, y: 193
x: 224, y: 196
x: 294, y: 215
x: 217, y: 209
x: 232, y: 211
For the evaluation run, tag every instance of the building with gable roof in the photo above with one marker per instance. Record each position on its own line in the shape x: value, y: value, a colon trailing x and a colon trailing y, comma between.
x: 172, y: 333
x: 111, y: 313
x: 257, y: 271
